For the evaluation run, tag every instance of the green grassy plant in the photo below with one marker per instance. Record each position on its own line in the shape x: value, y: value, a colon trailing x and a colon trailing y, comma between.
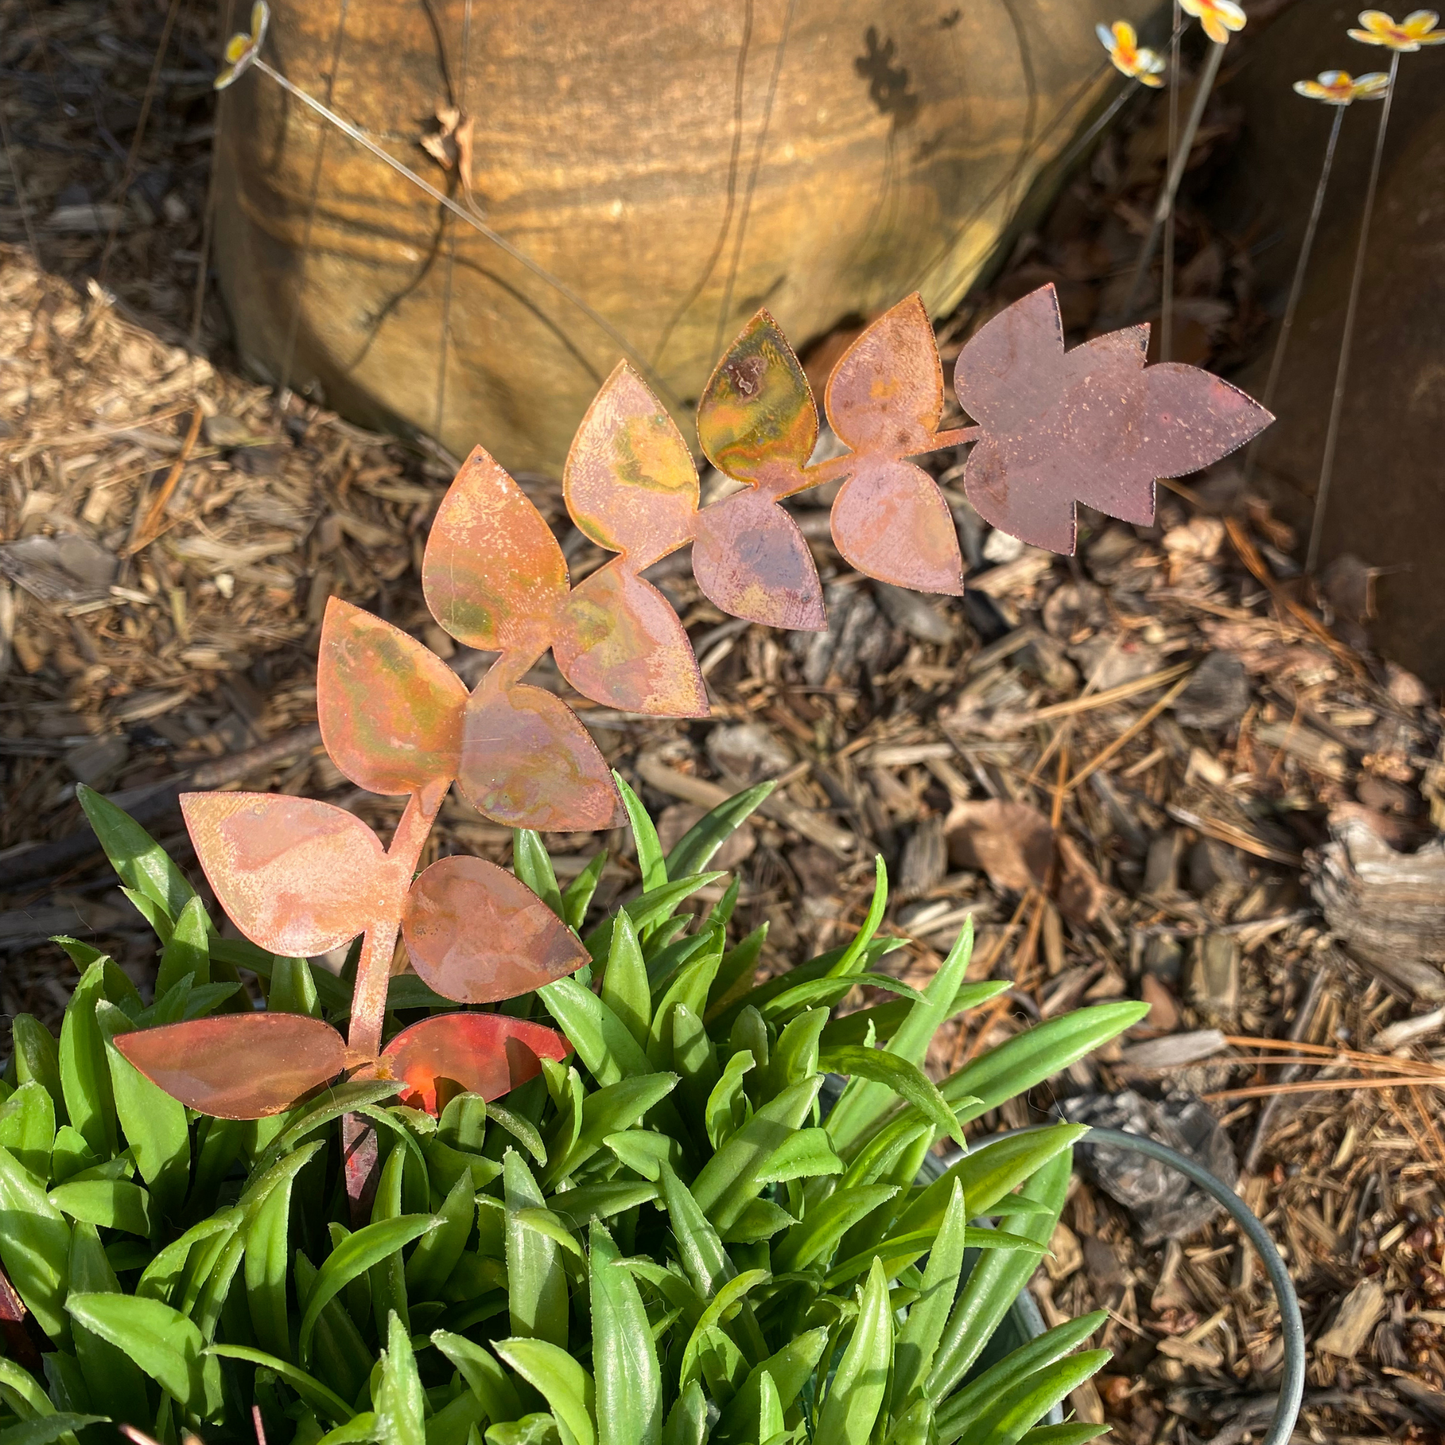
x: 664, y: 1240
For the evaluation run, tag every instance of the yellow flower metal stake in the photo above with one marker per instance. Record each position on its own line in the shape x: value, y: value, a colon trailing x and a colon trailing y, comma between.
x: 1417, y: 30
x: 1338, y: 89
x: 1220, y: 19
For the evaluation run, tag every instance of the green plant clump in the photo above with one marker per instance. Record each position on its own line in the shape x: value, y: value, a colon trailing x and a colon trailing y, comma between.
x: 665, y: 1240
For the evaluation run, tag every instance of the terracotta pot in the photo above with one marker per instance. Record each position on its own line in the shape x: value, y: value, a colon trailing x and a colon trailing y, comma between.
x: 674, y: 166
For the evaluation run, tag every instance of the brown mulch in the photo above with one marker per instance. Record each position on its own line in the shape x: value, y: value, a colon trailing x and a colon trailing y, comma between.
x: 1119, y: 764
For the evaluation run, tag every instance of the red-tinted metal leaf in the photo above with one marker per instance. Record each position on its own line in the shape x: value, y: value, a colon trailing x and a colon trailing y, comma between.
x: 886, y: 392
x: 390, y: 709
x: 630, y: 482
x: 493, y: 573
x: 756, y: 419
x: 1012, y: 367
x: 751, y: 560
x: 529, y: 763
x: 477, y: 934
x: 296, y: 876
x: 891, y: 522
x: 620, y: 643
x: 238, y: 1066
x: 1019, y: 499
x: 487, y: 1054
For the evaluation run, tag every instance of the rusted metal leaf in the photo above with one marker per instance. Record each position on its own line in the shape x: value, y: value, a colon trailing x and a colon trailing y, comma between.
x: 891, y: 522
x: 1092, y: 425
x: 390, y: 709
x: 529, y: 763
x: 629, y: 481
x: 886, y: 391
x: 751, y: 560
x: 476, y: 934
x: 620, y: 643
x: 756, y: 419
x: 238, y: 1066
x: 492, y: 574
x: 487, y: 1054
x: 296, y: 876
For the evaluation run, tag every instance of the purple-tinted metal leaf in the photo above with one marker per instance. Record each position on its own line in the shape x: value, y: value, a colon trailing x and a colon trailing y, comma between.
x: 756, y: 419
x: 493, y: 574
x: 630, y: 482
x: 886, y: 392
x: 296, y: 876
x: 477, y: 934
x: 528, y: 762
x: 487, y: 1054
x: 891, y: 522
x: 238, y: 1066
x: 750, y: 560
x: 390, y: 709
x: 1093, y: 424
x: 620, y: 643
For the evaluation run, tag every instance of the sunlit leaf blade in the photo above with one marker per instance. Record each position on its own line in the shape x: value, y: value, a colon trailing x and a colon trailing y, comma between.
x: 756, y: 419
x: 890, y: 521
x: 751, y: 561
x: 886, y: 392
x: 487, y: 1054
x: 296, y: 876
x: 390, y: 709
x: 141, y: 862
x: 624, y: 1359
x: 620, y: 643
x: 567, y: 1387
x: 629, y: 480
x: 237, y: 1066
x: 476, y: 934
x: 856, y: 1392
x: 527, y: 762
x: 492, y: 573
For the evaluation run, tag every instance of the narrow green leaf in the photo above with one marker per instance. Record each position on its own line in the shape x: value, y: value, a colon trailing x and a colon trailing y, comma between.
x: 316, y: 1113
x: 833, y: 990
x: 625, y: 989
x: 1018, y: 1407
x: 533, y: 866
x: 84, y: 1073
x: 37, y: 1059
x: 522, y: 1129
x: 918, y: 1339
x: 27, y: 1127
x: 688, y: 989
x: 728, y: 1297
x: 885, y: 1019
x: 687, y: 1420
x: 566, y: 1386
x: 1073, y: 1432
x: 45, y: 1429
x: 736, y: 972
x: 804, y: 1155
x: 267, y: 1260
x: 165, y: 1271
x: 140, y: 861
x: 186, y: 950
x: 653, y: 907
x: 727, y: 1108
x: 34, y: 1247
x: 789, y: 1369
x: 610, y: 1111
x: 579, y: 1207
x: 21, y: 1391
x: 856, y: 1393
x: 106, y: 1203
x: 904, y: 1079
x: 437, y: 1253
x: 601, y: 1039
x: 854, y: 956
x: 163, y: 1342
x: 624, y: 1360
x: 293, y: 988
x: 537, y: 1283
x: 697, y: 847
x: 644, y: 835
x: 816, y: 1235
x: 577, y: 896
x: 319, y: 1396
x: 114, y: 1382
x: 400, y: 1401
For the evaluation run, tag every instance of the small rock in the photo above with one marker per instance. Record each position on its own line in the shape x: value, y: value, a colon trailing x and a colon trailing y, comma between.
x: 1001, y: 547
x: 1217, y: 696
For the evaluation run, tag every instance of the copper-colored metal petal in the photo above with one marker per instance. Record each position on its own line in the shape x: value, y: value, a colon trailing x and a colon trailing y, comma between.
x: 487, y: 1054
x: 891, y: 522
x: 630, y: 482
x: 1012, y: 366
x: 238, y: 1066
x: 390, y: 709
x: 620, y: 643
x: 477, y: 934
x: 886, y: 392
x: 756, y: 419
x: 751, y: 560
x: 296, y: 876
x: 492, y: 573
x: 528, y: 762
x: 1017, y: 498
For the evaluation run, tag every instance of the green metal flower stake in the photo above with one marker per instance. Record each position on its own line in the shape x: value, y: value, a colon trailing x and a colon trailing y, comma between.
x: 1417, y: 30
x: 1339, y: 90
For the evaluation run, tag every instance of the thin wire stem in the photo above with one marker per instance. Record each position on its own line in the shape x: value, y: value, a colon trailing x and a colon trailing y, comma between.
x: 1131, y: 88
x: 498, y: 240
x: 1176, y: 174
x: 1166, y: 303
x: 1296, y: 287
x: 1332, y: 432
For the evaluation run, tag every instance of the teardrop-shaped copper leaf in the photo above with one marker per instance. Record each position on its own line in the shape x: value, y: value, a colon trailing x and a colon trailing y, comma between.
x: 492, y: 573
x: 487, y: 1054
x: 891, y: 522
x: 238, y: 1066
x: 630, y: 482
x: 477, y: 934
x: 751, y: 560
x: 620, y: 643
x: 527, y: 762
x: 886, y: 392
x: 390, y: 709
x: 296, y: 876
x: 756, y: 419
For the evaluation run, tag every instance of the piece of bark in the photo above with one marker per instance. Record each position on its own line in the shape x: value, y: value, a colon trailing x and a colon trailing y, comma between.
x: 1360, y: 1311
x: 1217, y: 695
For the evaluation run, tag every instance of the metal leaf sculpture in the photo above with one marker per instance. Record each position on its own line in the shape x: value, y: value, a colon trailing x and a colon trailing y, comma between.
x: 298, y: 877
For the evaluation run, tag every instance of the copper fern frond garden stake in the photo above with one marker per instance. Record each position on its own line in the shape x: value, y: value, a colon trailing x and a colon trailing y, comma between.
x: 299, y: 877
